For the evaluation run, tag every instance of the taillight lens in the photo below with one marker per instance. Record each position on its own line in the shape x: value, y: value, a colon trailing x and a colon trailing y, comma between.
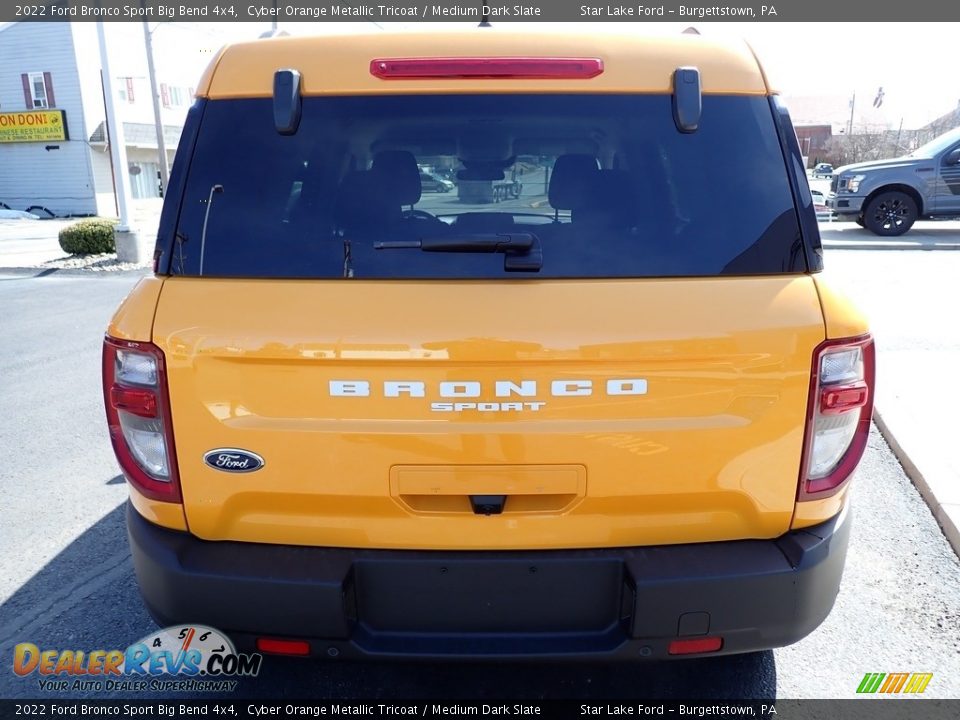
x: 138, y: 415
x: 840, y: 409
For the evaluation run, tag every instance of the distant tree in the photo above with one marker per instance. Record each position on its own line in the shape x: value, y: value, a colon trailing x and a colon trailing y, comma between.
x: 866, y: 142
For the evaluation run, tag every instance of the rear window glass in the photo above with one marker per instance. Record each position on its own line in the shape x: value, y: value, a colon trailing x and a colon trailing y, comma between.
x: 401, y: 187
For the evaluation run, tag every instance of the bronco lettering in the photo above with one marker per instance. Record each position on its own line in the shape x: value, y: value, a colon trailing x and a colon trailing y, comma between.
x: 474, y: 389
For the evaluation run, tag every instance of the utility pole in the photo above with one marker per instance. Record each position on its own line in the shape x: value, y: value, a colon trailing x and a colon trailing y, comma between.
x: 161, y: 142
x: 118, y: 146
x: 853, y: 104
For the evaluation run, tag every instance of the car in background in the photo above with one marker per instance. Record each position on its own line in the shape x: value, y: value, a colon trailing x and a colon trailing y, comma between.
x: 820, y: 205
x: 431, y: 182
x: 888, y: 196
x: 822, y: 170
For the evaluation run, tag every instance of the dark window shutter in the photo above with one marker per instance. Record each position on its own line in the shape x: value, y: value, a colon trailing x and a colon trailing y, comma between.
x: 48, y: 84
x: 27, y: 95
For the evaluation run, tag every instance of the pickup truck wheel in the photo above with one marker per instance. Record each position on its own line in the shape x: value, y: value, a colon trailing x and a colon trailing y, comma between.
x: 890, y: 214
x: 859, y: 221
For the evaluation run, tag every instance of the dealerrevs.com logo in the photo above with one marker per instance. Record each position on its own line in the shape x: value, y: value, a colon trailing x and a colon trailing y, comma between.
x: 188, y: 658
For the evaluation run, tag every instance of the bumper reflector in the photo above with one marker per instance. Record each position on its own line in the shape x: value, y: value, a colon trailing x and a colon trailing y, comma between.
x: 276, y: 646
x: 689, y: 646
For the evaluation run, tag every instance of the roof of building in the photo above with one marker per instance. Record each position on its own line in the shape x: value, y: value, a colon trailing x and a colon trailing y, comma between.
x: 341, y: 64
x: 142, y: 135
x: 945, y: 122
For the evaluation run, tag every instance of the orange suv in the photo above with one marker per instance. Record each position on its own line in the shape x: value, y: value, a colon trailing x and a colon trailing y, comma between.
x: 614, y: 416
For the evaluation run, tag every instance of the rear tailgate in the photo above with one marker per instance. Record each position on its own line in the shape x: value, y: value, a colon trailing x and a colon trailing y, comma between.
x: 608, y: 412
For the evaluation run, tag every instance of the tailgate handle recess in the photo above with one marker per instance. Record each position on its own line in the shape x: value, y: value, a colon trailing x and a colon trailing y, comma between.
x: 487, y: 504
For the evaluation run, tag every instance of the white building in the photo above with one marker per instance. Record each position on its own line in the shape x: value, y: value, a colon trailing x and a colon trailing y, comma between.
x: 56, y: 66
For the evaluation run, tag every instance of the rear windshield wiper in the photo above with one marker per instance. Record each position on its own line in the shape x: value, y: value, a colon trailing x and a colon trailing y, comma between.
x: 522, y: 251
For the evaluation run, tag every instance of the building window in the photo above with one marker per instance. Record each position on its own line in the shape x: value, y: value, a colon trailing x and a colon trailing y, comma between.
x: 174, y: 96
x: 126, y: 90
x: 38, y: 90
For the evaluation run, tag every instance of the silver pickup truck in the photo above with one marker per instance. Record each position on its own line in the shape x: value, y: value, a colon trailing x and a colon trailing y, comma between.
x: 888, y: 196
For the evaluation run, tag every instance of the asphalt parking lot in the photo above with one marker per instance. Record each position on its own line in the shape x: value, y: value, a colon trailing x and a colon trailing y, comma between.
x: 66, y: 579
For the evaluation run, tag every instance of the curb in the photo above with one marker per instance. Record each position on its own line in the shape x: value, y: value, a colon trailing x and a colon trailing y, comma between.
x: 37, y: 272
x: 852, y: 245
x: 916, y: 476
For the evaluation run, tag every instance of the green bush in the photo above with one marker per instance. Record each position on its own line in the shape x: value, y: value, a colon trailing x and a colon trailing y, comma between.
x: 88, y: 236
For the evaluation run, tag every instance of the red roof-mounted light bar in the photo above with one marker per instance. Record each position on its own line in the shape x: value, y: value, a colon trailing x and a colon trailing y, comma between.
x: 486, y: 67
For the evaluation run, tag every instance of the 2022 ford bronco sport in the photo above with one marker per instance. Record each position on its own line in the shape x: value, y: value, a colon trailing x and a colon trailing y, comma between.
x: 614, y: 417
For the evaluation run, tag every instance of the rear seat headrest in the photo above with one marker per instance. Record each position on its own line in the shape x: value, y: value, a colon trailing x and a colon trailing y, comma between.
x: 362, y: 202
x: 573, y: 176
x: 400, y: 174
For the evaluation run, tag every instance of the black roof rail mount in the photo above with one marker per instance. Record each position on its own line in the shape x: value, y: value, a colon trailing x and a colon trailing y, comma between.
x: 287, y: 103
x: 687, y: 99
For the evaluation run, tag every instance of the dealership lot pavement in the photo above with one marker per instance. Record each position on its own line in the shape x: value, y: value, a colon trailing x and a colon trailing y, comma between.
x: 913, y: 300
x: 66, y: 579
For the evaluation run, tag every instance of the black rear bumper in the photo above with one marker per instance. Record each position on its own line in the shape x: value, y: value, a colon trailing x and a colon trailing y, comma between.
x: 616, y: 603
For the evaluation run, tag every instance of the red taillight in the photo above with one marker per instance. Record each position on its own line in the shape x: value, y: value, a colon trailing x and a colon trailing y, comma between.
x: 138, y: 402
x: 277, y: 646
x: 840, y: 409
x: 138, y: 416
x: 689, y: 646
x: 486, y: 67
x: 838, y: 400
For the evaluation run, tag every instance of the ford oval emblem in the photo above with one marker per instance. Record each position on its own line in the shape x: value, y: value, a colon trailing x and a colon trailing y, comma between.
x: 233, y: 460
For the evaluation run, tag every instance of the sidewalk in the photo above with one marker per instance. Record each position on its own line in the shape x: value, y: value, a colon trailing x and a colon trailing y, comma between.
x: 912, y: 300
x: 28, y: 243
x: 916, y: 411
x: 24, y: 243
x: 924, y: 235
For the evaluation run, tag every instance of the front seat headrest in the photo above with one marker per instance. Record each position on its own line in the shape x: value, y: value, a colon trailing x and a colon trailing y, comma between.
x: 573, y: 177
x: 400, y: 175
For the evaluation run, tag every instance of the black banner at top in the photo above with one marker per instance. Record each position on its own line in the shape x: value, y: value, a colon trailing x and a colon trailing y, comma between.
x: 241, y: 709
x: 494, y: 11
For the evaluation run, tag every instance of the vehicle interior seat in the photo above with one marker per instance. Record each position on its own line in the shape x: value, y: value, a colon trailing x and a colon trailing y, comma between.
x: 400, y: 174
x: 605, y: 208
x: 573, y: 177
x: 364, y: 208
x: 612, y: 201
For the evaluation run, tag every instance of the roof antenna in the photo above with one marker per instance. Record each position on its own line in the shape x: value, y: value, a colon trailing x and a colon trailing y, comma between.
x: 486, y: 13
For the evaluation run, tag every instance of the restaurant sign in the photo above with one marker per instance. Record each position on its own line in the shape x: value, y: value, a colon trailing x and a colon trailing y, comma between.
x: 33, y: 126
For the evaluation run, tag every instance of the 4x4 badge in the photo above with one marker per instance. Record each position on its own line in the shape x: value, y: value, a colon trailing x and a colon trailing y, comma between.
x: 233, y: 460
